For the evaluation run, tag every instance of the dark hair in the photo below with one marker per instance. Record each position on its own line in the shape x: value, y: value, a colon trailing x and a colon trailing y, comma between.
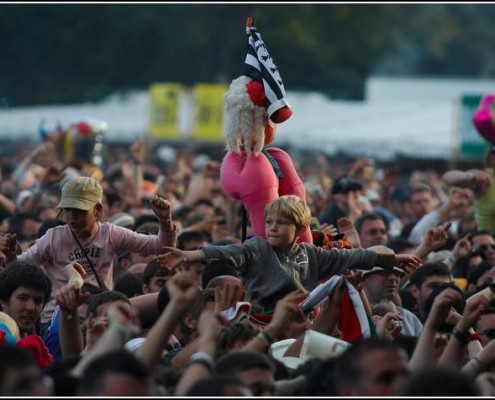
x: 372, y: 216
x: 476, y: 272
x: 344, y: 184
x: 438, y: 382
x: 107, y: 296
x: 321, y: 380
x: 215, y: 385
x: 349, y: 363
x: 189, y: 236
x: 428, y: 269
x: 458, y: 306
x: 17, y: 224
x: 162, y: 299
x: 181, y: 213
x: 152, y: 269
x: 206, y: 296
x: 14, y: 357
x: 49, y: 223
x: 240, y: 361
x: 204, y: 202
x: 144, y: 218
x: 120, y: 361
x: 399, y: 244
x: 26, y: 274
x: 214, y: 270
x: 129, y: 284
x: 472, y: 235
x: 236, y: 331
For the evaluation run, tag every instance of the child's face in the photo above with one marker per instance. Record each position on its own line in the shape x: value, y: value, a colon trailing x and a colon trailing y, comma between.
x: 81, y: 222
x: 280, y: 231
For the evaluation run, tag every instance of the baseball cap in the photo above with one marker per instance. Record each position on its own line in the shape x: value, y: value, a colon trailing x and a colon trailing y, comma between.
x: 82, y: 193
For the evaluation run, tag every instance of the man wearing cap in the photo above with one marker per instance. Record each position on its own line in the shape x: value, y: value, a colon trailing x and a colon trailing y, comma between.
x: 345, y: 193
x: 85, y: 240
x: 381, y: 287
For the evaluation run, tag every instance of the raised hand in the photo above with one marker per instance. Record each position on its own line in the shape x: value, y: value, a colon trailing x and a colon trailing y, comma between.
x: 8, y: 245
x: 70, y: 296
x: 407, y: 262
x: 183, y: 288
x: 171, y: 258
x: 161, y: 208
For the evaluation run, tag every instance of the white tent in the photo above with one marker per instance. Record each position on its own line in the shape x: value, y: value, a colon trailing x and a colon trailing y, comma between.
x: 416, y: 117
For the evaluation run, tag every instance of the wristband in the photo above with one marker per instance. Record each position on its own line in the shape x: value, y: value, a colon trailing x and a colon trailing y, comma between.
x: 67, y: 313
x: 474, y: 336
x: 202, y: 358
x: 265, y: 338
x: 460, y: 336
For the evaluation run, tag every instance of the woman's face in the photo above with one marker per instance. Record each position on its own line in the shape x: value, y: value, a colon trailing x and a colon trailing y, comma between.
x: 81, y: 222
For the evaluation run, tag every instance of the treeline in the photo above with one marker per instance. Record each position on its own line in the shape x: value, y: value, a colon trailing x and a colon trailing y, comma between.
x: 73, y: 53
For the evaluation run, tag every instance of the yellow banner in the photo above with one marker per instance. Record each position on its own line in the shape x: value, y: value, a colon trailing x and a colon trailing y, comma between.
x: 208, y: 118
x: 164, y: 110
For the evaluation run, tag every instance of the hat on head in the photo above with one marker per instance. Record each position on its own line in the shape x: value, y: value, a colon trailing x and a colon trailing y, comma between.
x: 82, y: 193
x: 384, y: 250
x: 345, y: 184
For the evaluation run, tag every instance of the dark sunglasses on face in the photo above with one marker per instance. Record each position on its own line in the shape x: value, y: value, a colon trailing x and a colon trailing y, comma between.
x: 388, y: 377
x: 485, y: 247
x: 490, y: 333
x: 375, y: 231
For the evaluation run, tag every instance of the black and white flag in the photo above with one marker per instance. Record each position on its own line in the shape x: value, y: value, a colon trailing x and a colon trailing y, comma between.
x: 260, y: 67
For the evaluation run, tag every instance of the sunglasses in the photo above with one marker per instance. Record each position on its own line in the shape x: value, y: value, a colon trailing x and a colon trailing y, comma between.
x: 485, y: 247
x: 490, y: 333
x: 375, y: 231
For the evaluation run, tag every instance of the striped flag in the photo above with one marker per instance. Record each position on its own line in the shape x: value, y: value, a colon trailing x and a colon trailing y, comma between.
x: 260, y: 67
x: 355, y: 322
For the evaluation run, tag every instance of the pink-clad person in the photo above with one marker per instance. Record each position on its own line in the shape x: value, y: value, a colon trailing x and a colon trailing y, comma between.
x: 85, y: 240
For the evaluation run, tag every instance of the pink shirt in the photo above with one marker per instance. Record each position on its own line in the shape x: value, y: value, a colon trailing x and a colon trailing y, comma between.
x: 58, y: 247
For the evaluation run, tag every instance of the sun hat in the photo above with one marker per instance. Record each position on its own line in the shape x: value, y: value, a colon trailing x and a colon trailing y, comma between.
x: 82, y: 193
x: 375, y: 269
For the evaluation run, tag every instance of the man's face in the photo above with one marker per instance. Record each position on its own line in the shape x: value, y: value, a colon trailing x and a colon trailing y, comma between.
x: 382, y: 372
x: 259, y: 380
x: 421, y: 203
x: 25, y: 307
x: 122, y: 384
x: 428, y: 285
x: 381, y: 285
x: 485, y: 244
x: 373, y: 233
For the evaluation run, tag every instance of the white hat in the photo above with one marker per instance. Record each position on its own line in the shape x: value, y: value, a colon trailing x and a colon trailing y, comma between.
x: 384, y: 250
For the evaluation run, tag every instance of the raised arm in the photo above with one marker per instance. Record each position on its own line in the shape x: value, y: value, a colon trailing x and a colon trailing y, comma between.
x: 172, y: 257
x: 183, y: 289
x: 69, y: 297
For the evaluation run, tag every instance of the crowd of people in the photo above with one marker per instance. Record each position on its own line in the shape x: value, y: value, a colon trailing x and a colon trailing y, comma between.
x: 133, y: 277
